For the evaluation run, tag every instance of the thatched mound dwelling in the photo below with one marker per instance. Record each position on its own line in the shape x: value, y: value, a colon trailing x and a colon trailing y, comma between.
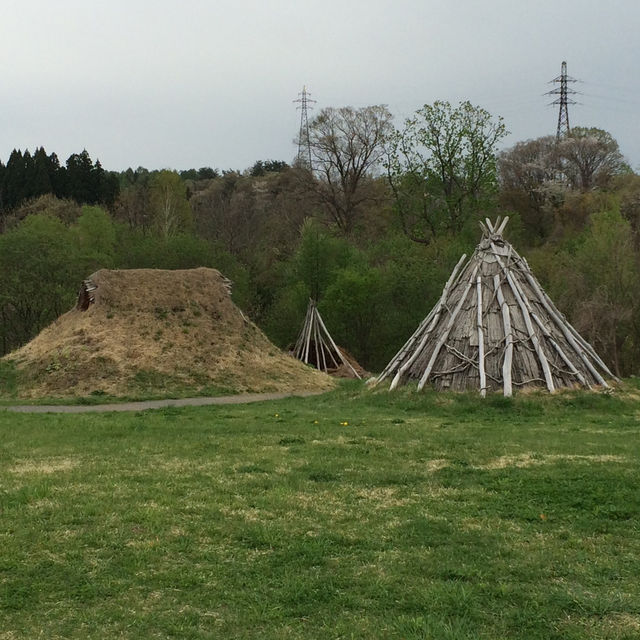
x: 153, y: 330
x: 494, y: 328
x: 316, y: 347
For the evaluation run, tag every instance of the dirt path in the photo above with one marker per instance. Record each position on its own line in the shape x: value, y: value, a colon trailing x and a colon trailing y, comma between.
x: 157, y: 404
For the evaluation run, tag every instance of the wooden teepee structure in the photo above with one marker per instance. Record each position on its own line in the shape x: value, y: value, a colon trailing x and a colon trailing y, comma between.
x: 315, y: 345
x: 495, y: 328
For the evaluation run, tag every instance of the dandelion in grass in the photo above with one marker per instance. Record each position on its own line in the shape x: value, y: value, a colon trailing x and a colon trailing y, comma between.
x: 344, y: 424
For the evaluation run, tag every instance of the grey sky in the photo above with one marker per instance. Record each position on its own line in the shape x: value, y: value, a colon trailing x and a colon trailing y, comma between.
x: 211, y: 83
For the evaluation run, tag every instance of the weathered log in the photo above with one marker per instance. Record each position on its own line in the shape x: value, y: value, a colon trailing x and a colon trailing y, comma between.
x: 446, y: 331
x: 483, y: 377
x: 508, y: 335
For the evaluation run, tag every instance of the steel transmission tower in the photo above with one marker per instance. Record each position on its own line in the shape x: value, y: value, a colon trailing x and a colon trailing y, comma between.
x: 304, y: 144
x: 563, y: 91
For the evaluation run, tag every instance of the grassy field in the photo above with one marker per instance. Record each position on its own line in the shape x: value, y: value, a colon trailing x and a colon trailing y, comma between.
x: 348, y: 515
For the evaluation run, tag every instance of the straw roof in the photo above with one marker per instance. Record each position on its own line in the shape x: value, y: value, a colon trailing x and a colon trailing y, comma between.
x: 156, y: 331
x: 494, y: 328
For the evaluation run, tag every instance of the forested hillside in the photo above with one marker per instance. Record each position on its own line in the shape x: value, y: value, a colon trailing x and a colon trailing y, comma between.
x: 371, y: 229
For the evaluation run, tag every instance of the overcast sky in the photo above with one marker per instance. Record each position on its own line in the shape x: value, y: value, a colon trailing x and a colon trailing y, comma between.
x: 168, y: 84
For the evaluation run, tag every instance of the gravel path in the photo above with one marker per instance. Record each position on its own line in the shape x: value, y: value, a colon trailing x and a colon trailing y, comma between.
x: 157, y: 404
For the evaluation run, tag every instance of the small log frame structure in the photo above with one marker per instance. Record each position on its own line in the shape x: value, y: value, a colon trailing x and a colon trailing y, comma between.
x: 316, y: 347
x: 495, y: 329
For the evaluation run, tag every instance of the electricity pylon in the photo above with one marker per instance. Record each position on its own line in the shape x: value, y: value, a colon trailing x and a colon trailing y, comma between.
x: 563, y: 91
x: 304, y: 144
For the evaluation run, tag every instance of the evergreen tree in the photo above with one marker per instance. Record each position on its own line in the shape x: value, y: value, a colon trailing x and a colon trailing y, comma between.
x: 80, y: 178
x: 13, y: 183
x: 29, y: 174
x: 40, y: 180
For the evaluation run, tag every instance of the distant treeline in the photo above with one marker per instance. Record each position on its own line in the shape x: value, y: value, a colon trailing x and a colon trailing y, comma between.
x: 27, y: 176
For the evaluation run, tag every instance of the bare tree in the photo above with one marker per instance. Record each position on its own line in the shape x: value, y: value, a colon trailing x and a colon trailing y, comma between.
x: 591, y: 157
x: 347, y: 146
x: 530, y: 182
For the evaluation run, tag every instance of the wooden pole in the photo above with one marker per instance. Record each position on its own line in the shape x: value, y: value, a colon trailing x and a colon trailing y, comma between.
x: 316, y: 340
x: 337, y: 350
x: 308, y: 329
x: 559, y: 350
x: 483, y: 377
x: 527, y: 321
x: 508, y: 335
x: 503, y: 224
x: 298, y: 350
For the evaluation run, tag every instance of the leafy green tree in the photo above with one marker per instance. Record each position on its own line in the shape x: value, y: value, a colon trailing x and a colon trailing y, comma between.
x: 67, y: 211
x: 95, y: 239
x: 40, y: 277
x: 318, y: 257
x: 352, y: 308
x: 307, y: 273
x: 608, y: 311
x: 594, y: 278
x: 442, y: 168
x: 169, y: 207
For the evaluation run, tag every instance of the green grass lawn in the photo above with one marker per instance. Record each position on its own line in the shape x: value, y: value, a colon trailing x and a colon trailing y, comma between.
x: 349, y: 515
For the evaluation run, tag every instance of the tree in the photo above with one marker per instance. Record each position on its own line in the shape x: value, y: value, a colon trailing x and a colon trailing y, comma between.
x: 591, y: 157
x: 42, y: 174
x: 347, y: 145
x: 225, y: 212
x: 39, y: 277
x: 606, y: 292
x: 442, y: 168
x: 262, y: 167
x: 528, y: 174
x: 318, y: 257
x: 13, y: 184
x: 80, y: 182
x: 95, y: 238
x: 169, y: 205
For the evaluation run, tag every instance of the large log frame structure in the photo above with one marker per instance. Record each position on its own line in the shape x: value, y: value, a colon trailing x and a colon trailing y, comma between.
x: 494, y: 328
